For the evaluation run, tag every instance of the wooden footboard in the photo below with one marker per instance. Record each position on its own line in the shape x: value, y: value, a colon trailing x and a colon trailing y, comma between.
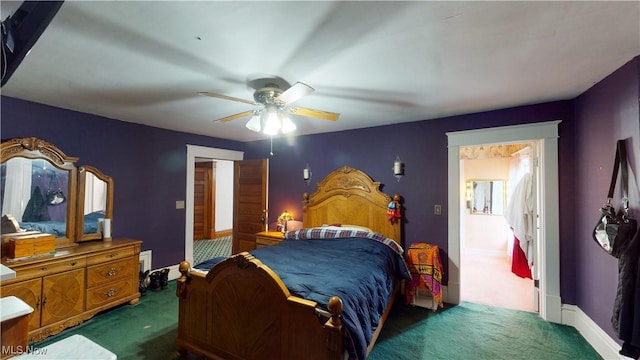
x: 242, y: 310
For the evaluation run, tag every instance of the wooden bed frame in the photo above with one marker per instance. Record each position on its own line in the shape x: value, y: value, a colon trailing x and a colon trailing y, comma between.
x: 242, y: 310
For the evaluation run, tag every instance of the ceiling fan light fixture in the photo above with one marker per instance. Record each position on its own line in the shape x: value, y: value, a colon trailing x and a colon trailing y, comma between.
x: 287, y: 125
x: 254, y: 124
x: 272, y: 122
x: 274, y: 96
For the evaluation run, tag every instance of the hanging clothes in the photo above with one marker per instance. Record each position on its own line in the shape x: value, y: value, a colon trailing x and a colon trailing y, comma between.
x: 626, y: 308
x: 479, y: 198
x: 519, y: 216
x: 36, y: 209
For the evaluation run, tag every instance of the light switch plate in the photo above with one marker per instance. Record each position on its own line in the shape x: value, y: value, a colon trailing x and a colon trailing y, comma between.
x: 437, y: 209
x: 180, y: 204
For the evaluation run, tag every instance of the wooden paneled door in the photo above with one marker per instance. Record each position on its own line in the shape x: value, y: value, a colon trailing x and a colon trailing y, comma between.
x: 249, y: 202
x: 204, y: 209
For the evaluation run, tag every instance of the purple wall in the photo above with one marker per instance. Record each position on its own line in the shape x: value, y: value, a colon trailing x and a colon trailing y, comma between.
x: 146, y: 209
x: 148, y: 166
x: 422, y: 146
x: 605, y: 113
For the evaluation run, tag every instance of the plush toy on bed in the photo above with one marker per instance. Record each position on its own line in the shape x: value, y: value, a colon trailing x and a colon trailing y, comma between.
x: 393, y: 209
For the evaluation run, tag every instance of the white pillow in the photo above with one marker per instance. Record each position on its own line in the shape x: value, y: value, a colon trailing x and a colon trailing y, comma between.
x: 347, y: 227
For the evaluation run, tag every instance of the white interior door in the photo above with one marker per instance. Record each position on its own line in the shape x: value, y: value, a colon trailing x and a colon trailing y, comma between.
x: 535, y: 180
x: 546, y: 136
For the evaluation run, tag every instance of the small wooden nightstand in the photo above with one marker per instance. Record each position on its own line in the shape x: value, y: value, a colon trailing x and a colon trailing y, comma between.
x: 267, y: 238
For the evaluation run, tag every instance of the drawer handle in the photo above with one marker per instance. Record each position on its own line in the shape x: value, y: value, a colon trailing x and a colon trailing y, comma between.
x: 110, y: 292
x: 43, y: 268
x: 73, y: 263
x: 112, y: 271
x: 111, y: 255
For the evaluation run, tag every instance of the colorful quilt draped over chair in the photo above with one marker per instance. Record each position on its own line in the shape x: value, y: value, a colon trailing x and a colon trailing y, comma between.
x: 424, y: 263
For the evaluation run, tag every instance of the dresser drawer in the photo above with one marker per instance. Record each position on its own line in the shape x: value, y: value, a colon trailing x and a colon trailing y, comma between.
x: 110, y: 255
x: 48, y: 268
x: 263, y: 241
x: 267, y: 238
x: 108, y: 293
x: 105, y: 273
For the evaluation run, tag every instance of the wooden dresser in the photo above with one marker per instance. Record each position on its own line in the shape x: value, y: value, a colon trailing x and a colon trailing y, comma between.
x: 267, y: 238
x: 75, y: 283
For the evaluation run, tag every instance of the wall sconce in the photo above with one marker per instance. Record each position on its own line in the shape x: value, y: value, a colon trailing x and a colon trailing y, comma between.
x: 306, y: 174
x: 398, y: 168
x: 283, y: 219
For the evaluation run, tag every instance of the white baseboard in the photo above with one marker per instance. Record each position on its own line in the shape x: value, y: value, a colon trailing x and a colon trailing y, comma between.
x: 607, y: 347
x: 174, y: 273
x: 145, y: 261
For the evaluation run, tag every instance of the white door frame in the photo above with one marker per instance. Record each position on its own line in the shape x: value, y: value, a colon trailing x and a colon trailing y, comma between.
x: 547, y: 135
x: 193, y: 152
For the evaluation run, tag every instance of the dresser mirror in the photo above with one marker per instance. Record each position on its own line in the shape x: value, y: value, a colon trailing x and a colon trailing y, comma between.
x: 486, y: 197
x: 38, y: 187
x: 95, y: 202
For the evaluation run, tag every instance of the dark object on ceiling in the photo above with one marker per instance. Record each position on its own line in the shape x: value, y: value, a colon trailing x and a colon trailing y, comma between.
x: 21, y: 30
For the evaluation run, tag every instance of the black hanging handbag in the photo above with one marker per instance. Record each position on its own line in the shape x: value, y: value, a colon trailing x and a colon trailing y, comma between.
x: 615, y: 229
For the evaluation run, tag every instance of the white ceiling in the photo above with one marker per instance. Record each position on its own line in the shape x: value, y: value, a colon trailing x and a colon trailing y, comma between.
x: 375, y: 63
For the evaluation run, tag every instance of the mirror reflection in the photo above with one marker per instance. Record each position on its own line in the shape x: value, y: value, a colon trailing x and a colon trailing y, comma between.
x: 95, y: 202
x: 486, y: 197
x: 35, y: 193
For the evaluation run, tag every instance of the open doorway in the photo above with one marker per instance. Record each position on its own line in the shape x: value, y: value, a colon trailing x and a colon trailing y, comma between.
x: 212, y: 209
x: 546, y: 134
x: 489, y: 270
x: 194, y: 154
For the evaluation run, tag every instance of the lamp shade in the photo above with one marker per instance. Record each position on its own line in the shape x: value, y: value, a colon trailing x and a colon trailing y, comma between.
x: 283, y: 219
x: 287, y: 125
x: 254, y: 123
x: 285, y: 216
x: 271, y: 120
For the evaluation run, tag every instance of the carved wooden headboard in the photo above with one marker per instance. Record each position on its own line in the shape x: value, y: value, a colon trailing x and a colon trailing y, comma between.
x: 350, y: 197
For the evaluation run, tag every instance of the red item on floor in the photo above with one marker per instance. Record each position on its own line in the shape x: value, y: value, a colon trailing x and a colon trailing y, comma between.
x: 519, y: 263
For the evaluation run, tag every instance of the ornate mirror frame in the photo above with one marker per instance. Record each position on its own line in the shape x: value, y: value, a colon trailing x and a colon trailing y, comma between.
x: 34, y: 148
x: 83, y: 172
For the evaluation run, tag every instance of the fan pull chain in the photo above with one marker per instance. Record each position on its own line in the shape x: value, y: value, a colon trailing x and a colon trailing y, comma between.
x: 271, y: 152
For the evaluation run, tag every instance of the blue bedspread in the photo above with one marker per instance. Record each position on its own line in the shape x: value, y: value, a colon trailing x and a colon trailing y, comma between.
x: 57, y: 228
x: 91, y: 224
x: 360, y: 270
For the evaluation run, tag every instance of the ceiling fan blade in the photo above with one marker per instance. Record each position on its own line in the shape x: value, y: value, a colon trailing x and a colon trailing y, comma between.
x: 324, y: 115
x: 296, y: 92
x: 235, y: 116
x: 220, y: 96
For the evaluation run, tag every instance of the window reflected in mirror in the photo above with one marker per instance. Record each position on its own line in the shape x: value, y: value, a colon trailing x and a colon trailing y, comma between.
x: 486, y: 197
x: 35, y: 193
x: 95, y: 202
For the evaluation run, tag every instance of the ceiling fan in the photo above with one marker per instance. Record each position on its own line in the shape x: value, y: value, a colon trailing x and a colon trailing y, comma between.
x: 273, y: 97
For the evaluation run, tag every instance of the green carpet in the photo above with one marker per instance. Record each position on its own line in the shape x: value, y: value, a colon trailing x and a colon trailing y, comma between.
x: 466, y: 331
x: 473, y: 331
x: 147, y: 330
